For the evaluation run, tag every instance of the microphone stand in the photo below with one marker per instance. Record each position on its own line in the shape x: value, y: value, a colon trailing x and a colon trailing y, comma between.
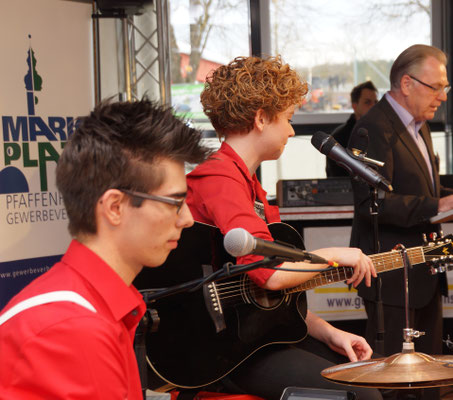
x: 380, y: 328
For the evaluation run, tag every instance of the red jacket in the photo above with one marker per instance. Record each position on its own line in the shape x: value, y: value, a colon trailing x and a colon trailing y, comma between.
x: 221, y: 192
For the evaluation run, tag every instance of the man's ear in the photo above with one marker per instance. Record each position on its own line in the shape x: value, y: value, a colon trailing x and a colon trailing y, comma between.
x: 260, y: 119
x: 405, y: 84
x: 110, y: 206
x: 354, y: 107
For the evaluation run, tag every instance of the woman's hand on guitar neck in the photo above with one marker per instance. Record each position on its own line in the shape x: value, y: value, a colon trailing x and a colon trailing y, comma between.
x: 351, y: 257
x: 344, y: 256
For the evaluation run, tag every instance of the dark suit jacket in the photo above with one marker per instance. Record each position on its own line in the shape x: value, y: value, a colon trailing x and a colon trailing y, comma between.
x: 403, y: 214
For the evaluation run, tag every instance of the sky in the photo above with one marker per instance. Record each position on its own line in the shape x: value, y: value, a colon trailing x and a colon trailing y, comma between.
x: 345, y: 29
x: 311, y: 32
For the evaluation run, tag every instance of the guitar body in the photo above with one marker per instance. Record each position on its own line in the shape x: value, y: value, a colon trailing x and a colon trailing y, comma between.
x: 204, y: 334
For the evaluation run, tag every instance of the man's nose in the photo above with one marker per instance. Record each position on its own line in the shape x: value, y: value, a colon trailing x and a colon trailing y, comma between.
x: 185, y: 218
x: 442, y: 96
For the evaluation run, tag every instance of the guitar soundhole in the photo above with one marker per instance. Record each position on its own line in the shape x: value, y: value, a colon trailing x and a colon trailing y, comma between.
x: 261, y: 298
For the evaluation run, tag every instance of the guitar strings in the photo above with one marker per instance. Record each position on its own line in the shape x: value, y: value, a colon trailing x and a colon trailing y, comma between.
x: 230, y: 290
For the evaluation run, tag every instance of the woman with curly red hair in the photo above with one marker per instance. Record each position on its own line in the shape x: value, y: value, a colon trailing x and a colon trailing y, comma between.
x: 250, y: 103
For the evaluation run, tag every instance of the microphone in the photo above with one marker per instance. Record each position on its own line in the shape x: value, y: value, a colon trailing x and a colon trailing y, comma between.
x: 327, y: 145
x: 363, y: 135
x: 239, y: 242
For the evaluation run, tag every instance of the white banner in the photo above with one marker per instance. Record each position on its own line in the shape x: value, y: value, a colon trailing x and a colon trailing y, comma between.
x: 46, y: 81
x: 337, y: 301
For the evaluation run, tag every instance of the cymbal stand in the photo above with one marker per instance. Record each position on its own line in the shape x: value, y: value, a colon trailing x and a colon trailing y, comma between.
x: 408, y: 333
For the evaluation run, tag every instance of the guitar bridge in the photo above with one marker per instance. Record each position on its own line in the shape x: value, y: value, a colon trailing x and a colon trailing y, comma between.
x: 212, y: 301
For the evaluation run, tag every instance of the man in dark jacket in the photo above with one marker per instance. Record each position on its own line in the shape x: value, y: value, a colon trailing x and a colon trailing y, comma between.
x: 363, y: 97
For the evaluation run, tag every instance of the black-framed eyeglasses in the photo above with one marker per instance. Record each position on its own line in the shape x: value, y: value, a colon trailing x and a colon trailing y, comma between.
x: 444, y: 89
x: 163, y: 199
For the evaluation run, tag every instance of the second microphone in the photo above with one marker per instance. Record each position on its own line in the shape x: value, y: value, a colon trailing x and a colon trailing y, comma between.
x: 239, y: 242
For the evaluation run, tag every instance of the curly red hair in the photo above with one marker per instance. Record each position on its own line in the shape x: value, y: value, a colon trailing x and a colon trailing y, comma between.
x: 234, y: 93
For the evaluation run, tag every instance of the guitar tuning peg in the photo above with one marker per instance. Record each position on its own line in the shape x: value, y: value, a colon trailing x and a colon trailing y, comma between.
x: 448, y: 342
x: 425, y: 239
x: 438, y: 269
x: 433, y: 235
x: 441, y: 233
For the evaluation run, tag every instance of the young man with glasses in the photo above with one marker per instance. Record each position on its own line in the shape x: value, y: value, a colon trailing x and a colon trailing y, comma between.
x: 69, y: 334
x: 400, y: 137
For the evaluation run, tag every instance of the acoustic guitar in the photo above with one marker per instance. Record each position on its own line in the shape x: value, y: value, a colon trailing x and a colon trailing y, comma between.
x: 204, y: 334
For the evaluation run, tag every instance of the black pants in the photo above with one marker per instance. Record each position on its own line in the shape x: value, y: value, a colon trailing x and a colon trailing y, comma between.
x: 273, y: 368
x: 427, y: 319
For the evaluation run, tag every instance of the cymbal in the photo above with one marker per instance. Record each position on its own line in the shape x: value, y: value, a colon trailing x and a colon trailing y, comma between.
x: 401, y: 370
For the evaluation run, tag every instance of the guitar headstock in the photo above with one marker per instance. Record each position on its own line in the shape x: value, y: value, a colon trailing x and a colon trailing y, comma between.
x: 439, y: 254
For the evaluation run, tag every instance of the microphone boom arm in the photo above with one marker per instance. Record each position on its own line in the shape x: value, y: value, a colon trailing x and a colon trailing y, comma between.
x: 228, y: 270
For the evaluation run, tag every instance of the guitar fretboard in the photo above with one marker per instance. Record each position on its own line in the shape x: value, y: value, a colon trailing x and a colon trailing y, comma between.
x: 382, y: 262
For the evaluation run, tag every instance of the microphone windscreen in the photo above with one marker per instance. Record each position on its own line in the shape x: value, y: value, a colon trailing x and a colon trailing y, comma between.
x: 323, y: 142
x: 361, y: 141
x: 362, y: 132
x: 318, y: 139
x: 238, y: 242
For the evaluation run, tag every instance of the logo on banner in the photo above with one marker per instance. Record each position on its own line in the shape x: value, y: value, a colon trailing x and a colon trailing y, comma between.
x: 31, y: 143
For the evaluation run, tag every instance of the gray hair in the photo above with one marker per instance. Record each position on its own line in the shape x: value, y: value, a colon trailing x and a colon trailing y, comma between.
x: 411, y: 59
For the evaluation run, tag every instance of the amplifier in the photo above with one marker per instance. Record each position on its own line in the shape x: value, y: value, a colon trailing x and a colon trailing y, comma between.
x: 314, y: 192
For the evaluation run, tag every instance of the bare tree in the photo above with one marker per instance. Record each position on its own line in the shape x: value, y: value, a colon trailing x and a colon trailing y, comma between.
x: 292, y: 12
x: 401, y: 10
x: 175, y: 57
x: 204, y: 17
x: 200, y: 28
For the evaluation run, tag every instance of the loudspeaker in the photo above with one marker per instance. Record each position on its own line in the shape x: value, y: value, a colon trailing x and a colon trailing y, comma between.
x: 114, y: 8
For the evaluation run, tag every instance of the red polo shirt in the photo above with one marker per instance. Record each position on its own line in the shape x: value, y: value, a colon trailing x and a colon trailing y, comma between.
x: 62, y: 350
x: 221, y: 192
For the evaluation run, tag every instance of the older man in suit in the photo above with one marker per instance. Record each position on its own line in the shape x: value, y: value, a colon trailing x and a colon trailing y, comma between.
x: 399, y: 136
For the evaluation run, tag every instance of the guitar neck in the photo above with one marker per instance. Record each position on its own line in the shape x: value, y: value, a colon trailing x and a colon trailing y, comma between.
x: 383, y: 262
